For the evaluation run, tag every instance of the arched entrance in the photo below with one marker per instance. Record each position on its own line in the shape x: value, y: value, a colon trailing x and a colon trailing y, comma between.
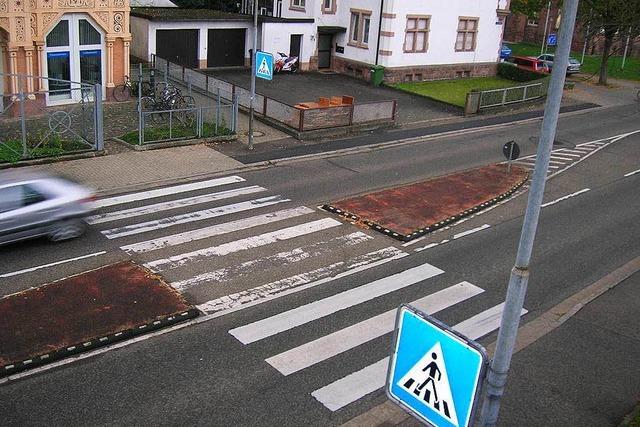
x: 74, y: 52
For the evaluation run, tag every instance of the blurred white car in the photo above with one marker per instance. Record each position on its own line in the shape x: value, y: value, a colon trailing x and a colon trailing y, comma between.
x: 572, y: 67
x: 38, y: 205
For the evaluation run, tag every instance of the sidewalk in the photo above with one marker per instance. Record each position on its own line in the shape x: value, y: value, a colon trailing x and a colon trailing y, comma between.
x: 583, y: 373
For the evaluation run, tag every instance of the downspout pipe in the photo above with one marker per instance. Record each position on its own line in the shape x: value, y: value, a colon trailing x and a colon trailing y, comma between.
x: 379, y: 31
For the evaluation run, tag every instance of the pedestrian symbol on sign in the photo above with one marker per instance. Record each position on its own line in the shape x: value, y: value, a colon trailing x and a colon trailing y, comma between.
x: 264, y: 68
x: 429, y: 381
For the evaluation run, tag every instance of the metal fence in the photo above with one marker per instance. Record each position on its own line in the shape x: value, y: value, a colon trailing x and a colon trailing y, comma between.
x: 30, y: 129
x: 512, y: 95
x: 293, y: 117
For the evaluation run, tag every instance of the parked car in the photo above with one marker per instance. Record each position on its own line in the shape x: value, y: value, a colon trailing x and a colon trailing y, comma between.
x: 529, y: 63
x: 39, y: 205
x: 573, y: 67
x: 505, y: 51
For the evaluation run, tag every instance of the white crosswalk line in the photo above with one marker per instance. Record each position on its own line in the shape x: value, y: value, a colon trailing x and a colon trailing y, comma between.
x: 373, y: 377
x: 298, y: 316
x: 561, y: 158
x: 152, y: 194
x: 569, y: 150
x: 556, y: 162
x: 300, y: 282
x: 242, y: 244
x: 171, y: 221
x: 216, y: 230
x: 281, y: 259
x: 172, y: 204
x: 570, y: 155
x: 345, y: 339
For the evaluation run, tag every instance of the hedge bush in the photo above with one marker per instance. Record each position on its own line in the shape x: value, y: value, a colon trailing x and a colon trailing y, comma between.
x: 511, y: 72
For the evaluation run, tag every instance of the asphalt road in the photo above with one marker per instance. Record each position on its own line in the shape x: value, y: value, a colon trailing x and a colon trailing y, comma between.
x: 205, y: 375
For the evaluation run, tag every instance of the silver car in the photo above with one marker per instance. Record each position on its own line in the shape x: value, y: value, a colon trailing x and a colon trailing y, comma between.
x: 572, y: 67
x: 38, y: 205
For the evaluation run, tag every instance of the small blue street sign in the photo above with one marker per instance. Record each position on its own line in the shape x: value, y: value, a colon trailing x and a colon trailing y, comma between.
x: 434, y: 372
x: 264, y: 65
x: 552, y: 40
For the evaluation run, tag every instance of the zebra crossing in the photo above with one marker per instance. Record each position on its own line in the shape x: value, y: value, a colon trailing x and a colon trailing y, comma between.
x: 563, y: 158
x: 324, y: 350
x: 226, y: 243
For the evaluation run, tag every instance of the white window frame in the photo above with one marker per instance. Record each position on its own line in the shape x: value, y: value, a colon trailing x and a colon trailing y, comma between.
x: 299, y: 5
x: 415, y: 32
x: 357, y: 35
x: 74, y: 49
x: 466, y: 32
x: 331, y: 9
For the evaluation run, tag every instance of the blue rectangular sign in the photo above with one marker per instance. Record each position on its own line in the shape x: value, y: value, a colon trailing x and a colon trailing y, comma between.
x: 434, y: 372
x: 552, y: 40
x: 264, y: 65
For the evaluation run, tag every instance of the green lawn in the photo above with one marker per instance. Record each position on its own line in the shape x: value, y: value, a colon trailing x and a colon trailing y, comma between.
x: 161, y: 133
x: 455, y: 91
x: 591, y: 62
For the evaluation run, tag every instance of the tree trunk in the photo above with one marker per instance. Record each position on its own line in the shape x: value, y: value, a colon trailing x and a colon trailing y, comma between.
x: 604, y: 66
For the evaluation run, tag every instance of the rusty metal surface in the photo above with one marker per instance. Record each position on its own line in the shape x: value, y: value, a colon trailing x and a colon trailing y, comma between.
x: 83, y: 307
x: 412, y: 207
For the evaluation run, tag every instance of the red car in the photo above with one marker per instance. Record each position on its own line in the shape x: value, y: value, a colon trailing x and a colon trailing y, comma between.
x: 530, y: 63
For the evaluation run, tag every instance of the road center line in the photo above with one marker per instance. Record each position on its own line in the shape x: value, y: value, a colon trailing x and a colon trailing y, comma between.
x: 39, y: 267
x: 631, y: 173
x: 568, y: 196
x: 473, y: 230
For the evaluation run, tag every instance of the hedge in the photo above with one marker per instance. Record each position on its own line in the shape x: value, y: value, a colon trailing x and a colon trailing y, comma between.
x: 512, y: 72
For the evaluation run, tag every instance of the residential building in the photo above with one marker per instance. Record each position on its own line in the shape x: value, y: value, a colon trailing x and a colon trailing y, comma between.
x: 71, y: 40
x: 411, y: 40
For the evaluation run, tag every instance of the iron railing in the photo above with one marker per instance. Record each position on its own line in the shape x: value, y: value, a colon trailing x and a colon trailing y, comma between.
x: 30, y: 129
x: 512, y: 95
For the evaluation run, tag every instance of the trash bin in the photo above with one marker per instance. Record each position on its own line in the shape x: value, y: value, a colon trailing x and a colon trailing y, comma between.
x: 377, y: 75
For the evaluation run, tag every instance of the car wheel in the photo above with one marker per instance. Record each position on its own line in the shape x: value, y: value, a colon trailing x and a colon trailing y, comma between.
x: 67, y: 229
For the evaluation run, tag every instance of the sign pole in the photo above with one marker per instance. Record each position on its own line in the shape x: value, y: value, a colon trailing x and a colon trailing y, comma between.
x: 516, y: 291
x: 253, y: 71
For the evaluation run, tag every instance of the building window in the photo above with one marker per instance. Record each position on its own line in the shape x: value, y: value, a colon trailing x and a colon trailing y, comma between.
x: 467, y: 33
x: 329, y: 6
x: 532, y: 21
x: 297, y: 4
x: 417, y: 34
x: 360, y: 25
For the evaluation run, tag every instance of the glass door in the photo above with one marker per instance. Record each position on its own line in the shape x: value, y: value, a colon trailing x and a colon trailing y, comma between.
x: 59, y: 61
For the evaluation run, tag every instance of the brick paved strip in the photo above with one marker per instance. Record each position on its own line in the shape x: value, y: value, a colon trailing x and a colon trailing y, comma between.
x: 82, y: 312
x: 411, y: 211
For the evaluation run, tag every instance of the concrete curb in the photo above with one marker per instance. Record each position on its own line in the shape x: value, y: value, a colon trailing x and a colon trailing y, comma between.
x: 161, y: 322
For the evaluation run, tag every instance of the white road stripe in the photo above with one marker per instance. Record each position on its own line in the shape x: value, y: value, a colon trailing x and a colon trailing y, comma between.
x: 143, y: 227
x: 632, y: 173
x: 429, y: 246
x: 556, y: 162
x: 358, y: 384
x: 299, y: 316
x: 564, y: 150
x: 172, y: 204
x: 39, y: 267
x: 280, y: 259
x: 585, y: 150
x: 242, y: 244
x: 473, y: 230
x: 568, y: 196
x: 569, y: 156
x: 562, y: 158
x: 151, y: 194
x: 216, y: 230
x: 345, y: 339
x: 297, y: 283
x: 553, y: 167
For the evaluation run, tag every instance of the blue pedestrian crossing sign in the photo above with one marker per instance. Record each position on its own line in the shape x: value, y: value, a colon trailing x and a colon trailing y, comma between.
x: 434, y: 372
x: 264, y: 65
x: 552, y: 40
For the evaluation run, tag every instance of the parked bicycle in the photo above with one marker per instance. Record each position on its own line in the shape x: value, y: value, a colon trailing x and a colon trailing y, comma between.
x: 124, y: 91
x: 166, y: 99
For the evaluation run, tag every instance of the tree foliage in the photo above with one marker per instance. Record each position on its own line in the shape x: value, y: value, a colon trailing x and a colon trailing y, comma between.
x: 611, y: 19
x: 527, y: 7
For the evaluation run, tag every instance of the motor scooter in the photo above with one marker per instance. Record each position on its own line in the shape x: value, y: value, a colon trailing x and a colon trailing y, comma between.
x: 285, y: 63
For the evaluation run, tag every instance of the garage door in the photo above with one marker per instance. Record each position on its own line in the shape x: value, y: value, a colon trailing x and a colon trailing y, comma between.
x: 179, y: 46
x: 226, y: 48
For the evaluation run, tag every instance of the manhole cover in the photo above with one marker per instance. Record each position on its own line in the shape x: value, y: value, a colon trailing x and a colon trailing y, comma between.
x: 256, y: 133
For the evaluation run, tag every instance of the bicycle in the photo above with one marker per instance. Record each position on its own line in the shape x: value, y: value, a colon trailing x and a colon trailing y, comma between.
x: 169, y: 99
x: 123, y: 91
